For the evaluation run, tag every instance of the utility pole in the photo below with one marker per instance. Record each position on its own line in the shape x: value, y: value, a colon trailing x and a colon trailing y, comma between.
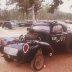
x: 33, y: 15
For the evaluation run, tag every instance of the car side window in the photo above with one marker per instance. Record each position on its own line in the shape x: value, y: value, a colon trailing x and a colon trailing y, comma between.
x: 57, y: 29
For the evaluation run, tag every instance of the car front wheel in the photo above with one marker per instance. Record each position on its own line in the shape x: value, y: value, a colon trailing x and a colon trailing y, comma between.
x: 38, y: 61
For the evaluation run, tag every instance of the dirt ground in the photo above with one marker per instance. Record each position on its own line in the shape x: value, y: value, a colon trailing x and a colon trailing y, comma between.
x: 17, y: 31
x: 57, y: 63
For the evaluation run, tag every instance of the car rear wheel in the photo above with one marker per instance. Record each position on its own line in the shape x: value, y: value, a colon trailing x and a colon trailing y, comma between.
x: 38, y: 61
x: 7, y: 58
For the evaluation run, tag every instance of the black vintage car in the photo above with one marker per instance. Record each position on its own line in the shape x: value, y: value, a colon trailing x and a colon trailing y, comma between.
x: 41, y: 39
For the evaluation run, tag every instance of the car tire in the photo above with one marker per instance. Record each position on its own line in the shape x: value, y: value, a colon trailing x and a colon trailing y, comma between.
x: 7, y: 58
x: 38, y: 61
x: 9, y: 26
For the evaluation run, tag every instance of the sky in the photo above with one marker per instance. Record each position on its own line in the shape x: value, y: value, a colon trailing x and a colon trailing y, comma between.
x: 65, y: 7
x: 3, y: 5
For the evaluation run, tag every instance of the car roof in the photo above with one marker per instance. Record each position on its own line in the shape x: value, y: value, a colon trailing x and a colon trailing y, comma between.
x: 51, y: 24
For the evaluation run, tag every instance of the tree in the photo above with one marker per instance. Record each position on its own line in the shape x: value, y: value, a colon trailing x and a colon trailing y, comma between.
x: 25, y: 5
x: 4, y: 15
x: 54, y: 5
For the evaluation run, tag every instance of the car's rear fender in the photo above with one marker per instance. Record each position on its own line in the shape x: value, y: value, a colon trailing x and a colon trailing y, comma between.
x: 46, y: 47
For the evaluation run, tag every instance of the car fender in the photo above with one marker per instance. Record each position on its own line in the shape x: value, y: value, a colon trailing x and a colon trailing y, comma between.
x: 41, y: 44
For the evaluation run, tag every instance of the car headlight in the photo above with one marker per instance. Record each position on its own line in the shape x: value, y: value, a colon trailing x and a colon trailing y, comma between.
x: 25, y: 48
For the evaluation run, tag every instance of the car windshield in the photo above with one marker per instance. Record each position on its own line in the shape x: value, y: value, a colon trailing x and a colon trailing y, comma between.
x: 42, y: 28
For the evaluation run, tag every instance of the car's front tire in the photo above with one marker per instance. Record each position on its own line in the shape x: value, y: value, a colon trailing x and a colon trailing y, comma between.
x: 38, y: 61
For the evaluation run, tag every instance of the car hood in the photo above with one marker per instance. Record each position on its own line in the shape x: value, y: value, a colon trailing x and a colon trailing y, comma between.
x: 16, y: 46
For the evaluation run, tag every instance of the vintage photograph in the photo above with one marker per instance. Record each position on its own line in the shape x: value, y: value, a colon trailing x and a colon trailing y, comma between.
x: 35, y: 35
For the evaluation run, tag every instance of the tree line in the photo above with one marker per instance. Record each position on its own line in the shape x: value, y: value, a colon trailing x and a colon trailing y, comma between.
x: 24, y: 7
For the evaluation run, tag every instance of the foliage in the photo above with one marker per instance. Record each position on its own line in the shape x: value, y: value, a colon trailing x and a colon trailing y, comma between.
x: 54, y: 5
x: 23, y: 10
x: 25, y: 5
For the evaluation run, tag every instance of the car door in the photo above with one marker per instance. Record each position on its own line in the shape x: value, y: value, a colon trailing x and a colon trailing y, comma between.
x: 58, y: 37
